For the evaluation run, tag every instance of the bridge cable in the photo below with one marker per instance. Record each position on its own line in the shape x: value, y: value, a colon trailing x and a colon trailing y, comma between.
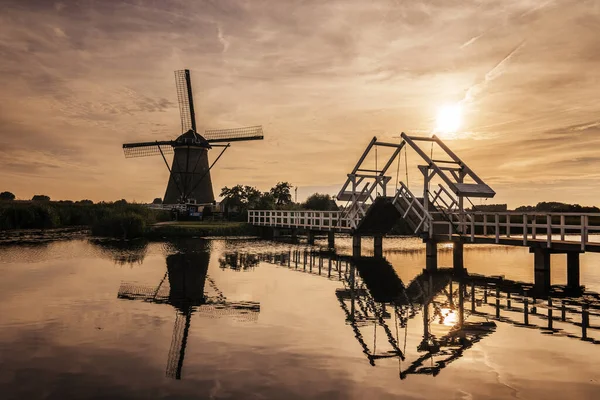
x: 376, y: 172
x: 406, y: 165
x: 398, y: 171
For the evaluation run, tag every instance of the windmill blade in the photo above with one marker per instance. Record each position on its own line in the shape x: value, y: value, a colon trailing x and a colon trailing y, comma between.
x: 133, y: 291
x: 183, y: 83
x: 234, y: 135
x: 145, y: 149
x: 176, y: 355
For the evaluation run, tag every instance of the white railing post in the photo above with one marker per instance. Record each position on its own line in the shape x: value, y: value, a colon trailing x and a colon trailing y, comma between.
x: 497, y: 227
x: 485, y: 224
x: 548, y: 230
x: 582, y: 231
x: 525, y: 230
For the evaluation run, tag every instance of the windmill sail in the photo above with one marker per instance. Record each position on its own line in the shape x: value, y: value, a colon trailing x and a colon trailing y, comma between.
x: 144, y: 149
x: 183, y: 83
x: 234, y: 135
x: 189, y: 173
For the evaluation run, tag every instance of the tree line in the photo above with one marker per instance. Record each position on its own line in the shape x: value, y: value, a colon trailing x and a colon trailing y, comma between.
x: 279, y: 197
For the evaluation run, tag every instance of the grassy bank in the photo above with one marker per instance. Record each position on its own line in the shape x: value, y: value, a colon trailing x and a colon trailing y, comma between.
x: 194, y: 228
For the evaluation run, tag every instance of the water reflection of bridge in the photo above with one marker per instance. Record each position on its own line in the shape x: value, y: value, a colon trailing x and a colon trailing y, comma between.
x: 458, y: 309
x: 184, y: 286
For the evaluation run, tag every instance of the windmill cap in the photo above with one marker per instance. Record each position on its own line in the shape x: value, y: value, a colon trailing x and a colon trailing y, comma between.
x: 191, y: 138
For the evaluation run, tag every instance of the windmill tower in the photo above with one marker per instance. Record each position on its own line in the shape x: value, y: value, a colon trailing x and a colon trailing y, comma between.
x: 189, y: 173
x: 184, y: 287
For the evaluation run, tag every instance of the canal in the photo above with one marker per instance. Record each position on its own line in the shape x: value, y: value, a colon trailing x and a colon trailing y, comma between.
x: 248, y: 318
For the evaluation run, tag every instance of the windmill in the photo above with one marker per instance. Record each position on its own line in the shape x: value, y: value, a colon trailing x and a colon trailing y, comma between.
x: 184, y: 287
x: 189, y: 173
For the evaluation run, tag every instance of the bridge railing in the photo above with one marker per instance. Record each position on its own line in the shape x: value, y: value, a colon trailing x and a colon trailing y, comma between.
x: 551, y: 227
x: 317, y: 220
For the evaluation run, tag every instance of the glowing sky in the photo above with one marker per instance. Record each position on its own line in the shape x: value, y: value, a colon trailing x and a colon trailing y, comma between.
x: 79, y: 78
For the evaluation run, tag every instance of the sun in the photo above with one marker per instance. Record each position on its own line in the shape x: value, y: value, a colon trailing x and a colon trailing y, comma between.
x: 449, y: 118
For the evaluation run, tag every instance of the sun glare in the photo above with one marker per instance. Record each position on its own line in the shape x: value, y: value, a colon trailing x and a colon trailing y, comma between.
x: 449, y: 118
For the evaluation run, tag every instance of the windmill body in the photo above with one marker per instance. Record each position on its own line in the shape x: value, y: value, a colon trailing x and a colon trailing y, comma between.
x: 189, y: 172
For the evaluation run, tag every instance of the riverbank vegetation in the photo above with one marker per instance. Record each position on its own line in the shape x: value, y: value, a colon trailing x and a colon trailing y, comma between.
x: 117, y: 219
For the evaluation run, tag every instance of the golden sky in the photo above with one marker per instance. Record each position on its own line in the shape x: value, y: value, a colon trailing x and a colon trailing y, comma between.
x: 79, y: 78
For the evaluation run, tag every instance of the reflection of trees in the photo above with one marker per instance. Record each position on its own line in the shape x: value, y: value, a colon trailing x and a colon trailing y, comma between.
x: 122, y: 251
x: 187, y: 287
x: 238, y: 261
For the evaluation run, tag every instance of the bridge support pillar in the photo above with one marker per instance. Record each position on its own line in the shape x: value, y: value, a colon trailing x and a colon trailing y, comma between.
x: 356, y: 245
x: 457, y: 256
x: 294, y: 235
x: 431, y: 255
x: 573, y: 270
x: 276, y: 233
x: 331, y: 239
x: 541, y: 261
x: 310, y: 237
x: 378, y: 246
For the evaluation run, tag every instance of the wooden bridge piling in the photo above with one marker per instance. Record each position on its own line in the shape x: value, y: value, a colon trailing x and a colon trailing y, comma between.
x: 310, y: 237
x: 573, y: 270
x: 356, y: 245
x: 331, y: 239
x: 541, y: 265
x: 378, y: 246
x: 457, y: 256
x: 431, y: 255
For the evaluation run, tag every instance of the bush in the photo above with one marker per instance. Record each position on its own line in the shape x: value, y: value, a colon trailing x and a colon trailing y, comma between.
x: 131, y: 218
x: 126, y: 225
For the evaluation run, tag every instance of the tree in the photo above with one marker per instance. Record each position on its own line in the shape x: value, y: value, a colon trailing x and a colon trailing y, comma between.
x: 240, y: 196
x: 321, y: 202
x: 281, y: 193
x: 85, y: 201
x: 157, y: 200
x: 40, y: 197
x: 265, y: 202
x: 7, y: 196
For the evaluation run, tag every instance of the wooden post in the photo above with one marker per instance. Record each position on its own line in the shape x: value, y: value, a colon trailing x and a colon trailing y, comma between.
x: 356, y: 245
x: 585, y: 320
x: 457, y: 256
x: 541, y: 260
x: 525, y: 309
x: 431, y: 255
x: 311, y: 237
x: 378, y: 246
x: 550, y: 312
x: 497, y: 301
x: 573, y: 270
x: 473, y: 297
x: 331, y: 239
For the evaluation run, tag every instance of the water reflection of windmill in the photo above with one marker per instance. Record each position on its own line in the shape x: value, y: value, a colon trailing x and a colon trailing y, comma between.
x: 189, y: 173
x: 184, y: 287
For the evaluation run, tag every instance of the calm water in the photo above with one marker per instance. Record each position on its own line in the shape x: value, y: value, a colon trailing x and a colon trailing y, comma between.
x: 241, y: 319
